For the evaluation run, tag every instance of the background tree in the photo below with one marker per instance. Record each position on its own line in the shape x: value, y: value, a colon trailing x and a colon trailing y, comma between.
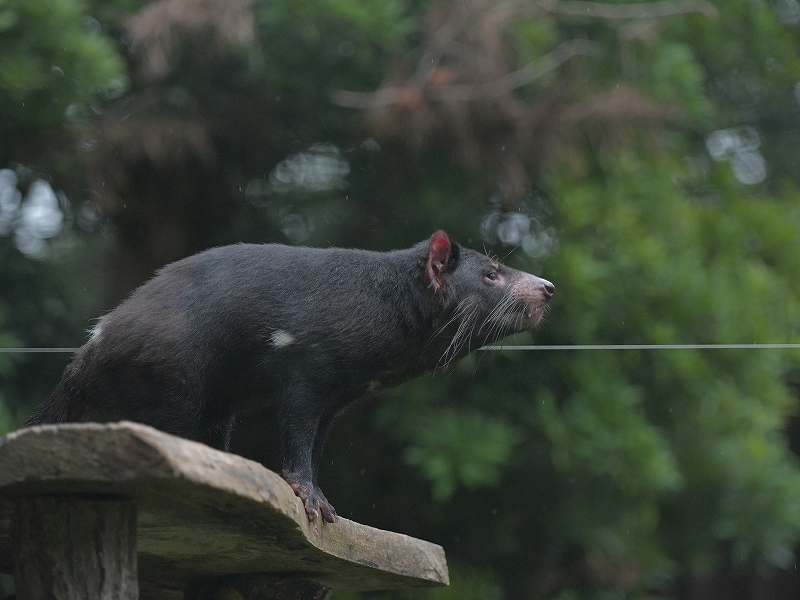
x: 639, y: 155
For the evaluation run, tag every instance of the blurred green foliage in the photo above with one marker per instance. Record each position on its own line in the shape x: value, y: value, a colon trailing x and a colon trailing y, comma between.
x: 53, y: 59
x: 679, y: 433
x: 659, y: 172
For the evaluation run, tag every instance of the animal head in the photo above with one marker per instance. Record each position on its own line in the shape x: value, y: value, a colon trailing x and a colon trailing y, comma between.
x: 484, y: 300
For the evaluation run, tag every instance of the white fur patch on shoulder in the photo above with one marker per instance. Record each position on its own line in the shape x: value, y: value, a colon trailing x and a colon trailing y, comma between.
x: 281, y: 338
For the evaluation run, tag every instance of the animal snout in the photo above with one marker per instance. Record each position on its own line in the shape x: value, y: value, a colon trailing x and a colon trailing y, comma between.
x: 548, y: 288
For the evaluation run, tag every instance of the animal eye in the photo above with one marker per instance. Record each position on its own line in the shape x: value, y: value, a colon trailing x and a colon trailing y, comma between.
x: 492, y: 276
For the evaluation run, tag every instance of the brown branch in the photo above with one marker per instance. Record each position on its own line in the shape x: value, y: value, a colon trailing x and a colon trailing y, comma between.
x: 468, y: 92
x: 515, y: 79
x: 597, y: 10
x: 379, y: 98
x: 157, y: 29
x: 643, y: 10
x: 440, y: 39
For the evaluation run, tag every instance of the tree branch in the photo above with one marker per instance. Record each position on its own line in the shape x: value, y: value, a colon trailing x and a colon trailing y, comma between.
x: 467, y: 92
x: 643, y: 10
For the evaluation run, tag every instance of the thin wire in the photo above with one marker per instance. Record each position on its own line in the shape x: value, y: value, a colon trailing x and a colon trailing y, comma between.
x: 34, y: 350
x: 551, y: 347
x: 648, y: 347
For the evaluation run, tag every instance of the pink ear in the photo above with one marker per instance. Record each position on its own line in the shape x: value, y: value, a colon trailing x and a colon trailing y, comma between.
x: 438, y: 256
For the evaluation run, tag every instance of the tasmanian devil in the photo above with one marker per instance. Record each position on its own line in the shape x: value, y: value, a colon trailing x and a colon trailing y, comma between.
x: 310, y: 329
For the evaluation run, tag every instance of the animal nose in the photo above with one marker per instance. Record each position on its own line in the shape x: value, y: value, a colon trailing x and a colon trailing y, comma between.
x: 549, y: 288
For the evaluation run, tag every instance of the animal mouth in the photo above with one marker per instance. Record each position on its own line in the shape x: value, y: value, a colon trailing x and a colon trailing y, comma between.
x: 534, y: 313
x: 535, y: 308
x: 512, y: 315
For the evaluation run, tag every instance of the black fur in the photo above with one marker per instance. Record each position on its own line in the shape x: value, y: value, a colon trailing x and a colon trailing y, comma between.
x: 311, y: 329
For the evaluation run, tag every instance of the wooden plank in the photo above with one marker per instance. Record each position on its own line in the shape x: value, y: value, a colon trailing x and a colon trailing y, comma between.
x: 203, y: 513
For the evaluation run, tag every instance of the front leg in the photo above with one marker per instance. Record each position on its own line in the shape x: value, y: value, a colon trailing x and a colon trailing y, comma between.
x: 328, y: 512
x: 312, y: 497
x: 301, y: 421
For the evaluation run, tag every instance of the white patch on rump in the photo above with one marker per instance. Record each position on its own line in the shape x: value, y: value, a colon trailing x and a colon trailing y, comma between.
x: 96, y: 331
x: 281, y: 338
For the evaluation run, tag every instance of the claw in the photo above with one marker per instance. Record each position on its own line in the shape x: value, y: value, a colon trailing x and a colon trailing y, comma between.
x: 313, y: 499
x: 328, y: 512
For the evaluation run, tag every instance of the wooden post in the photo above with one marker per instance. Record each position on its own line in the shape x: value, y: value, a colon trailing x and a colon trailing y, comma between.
x: 72, y: 547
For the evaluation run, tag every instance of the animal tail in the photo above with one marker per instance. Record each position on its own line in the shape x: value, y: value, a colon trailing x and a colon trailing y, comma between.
x: 66, y: 404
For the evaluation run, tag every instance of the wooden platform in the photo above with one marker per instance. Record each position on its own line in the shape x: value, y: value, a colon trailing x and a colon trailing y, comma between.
x: 208, y: 524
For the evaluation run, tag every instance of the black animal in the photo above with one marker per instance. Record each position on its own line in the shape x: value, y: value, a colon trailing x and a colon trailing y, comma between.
x: 311, y: 329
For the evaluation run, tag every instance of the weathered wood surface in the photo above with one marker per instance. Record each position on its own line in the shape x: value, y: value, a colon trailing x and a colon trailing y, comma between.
x: 202, y: 514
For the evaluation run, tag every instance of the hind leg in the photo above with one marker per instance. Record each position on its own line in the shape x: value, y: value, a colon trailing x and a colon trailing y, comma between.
x: 218, y: 434
x: 172, y: 413
x: 142, y: 394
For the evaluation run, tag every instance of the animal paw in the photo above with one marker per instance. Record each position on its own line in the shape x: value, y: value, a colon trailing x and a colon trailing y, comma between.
x: 328, y: 512
x: 314, y: 501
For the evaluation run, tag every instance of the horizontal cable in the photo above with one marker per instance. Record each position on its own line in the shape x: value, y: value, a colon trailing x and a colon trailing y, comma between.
x: 648, y: 347
x: 33, y: 350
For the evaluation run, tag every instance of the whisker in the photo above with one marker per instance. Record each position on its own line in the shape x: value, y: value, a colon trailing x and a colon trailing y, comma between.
x: 461, y: 337
x: 507, y: 321
x: 457, y: 313
x: 498, y: 310
x: 498, y: 316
